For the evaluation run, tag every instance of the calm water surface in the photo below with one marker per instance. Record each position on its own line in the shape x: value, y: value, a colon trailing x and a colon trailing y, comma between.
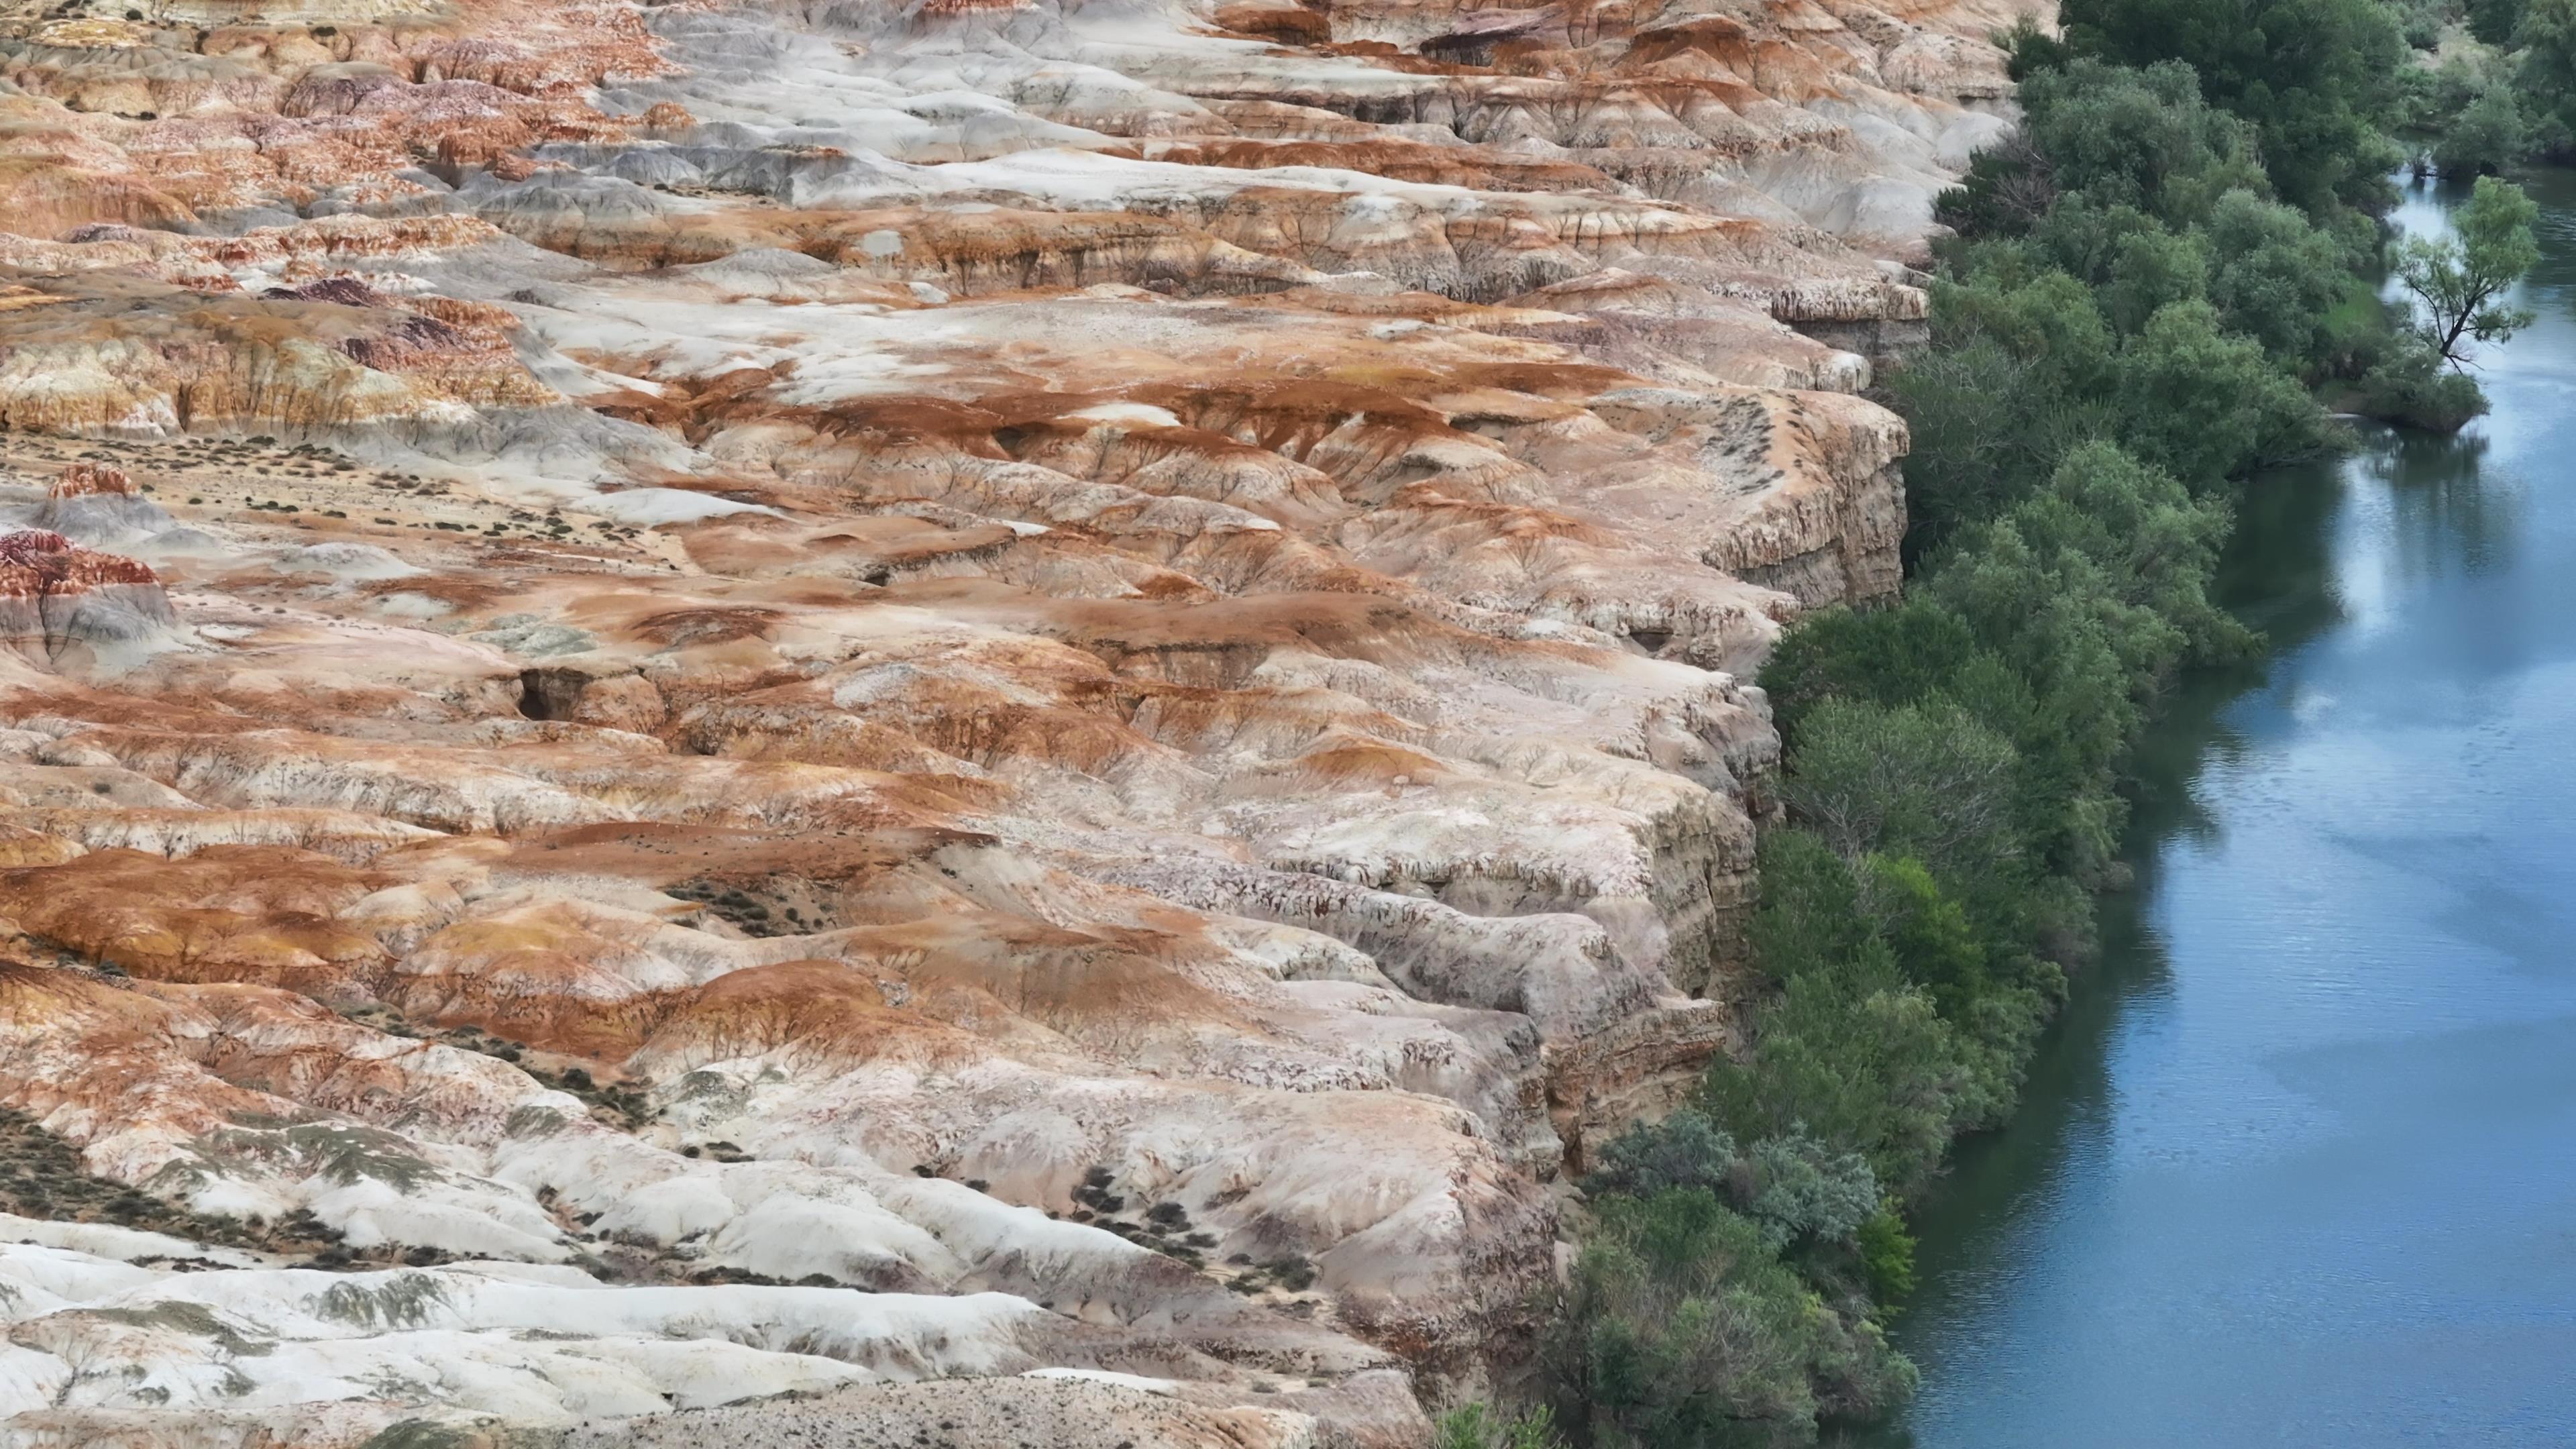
x: 2299, y: 1165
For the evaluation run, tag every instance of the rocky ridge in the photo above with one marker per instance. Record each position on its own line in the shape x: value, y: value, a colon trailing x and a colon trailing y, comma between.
x: 712, y: 701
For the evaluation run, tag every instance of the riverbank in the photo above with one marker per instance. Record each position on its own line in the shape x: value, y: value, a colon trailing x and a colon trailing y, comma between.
x: 2291, y: 1168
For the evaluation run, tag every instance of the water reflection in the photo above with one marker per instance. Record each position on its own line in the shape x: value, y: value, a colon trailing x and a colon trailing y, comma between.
x: 2448, y: 511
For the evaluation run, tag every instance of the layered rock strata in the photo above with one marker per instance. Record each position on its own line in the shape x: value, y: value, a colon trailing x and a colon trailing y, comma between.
x: 1012, y: 715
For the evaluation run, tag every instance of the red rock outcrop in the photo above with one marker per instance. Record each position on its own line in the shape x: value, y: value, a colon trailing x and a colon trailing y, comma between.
x: 56, y: 598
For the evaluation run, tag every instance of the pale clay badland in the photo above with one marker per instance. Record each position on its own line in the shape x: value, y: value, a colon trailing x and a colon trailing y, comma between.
x: 897, y: 721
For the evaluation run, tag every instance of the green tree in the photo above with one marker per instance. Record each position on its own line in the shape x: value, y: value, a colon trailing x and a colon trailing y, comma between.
x: 2038, y: 313
x: 2493, y: 22
x: 2206, y: 405
x: 2275, y: 276
x: 1678, y: 1325
x: 1804, y: 1191
x: 2461, y: 283
x: 2546, y: 33
x: 1863, y: 1061
x: 1887, y: 656
x: 1685, y: 1149
x: 2010, y: 188
x: 2409, y: 384
x: 2142, y: 138
x: 2316, y: 78
x: 1810, y: 918
x: 2151, y: 269
x: 1887, y: 1254
x: 1922, y: 780
x: 1931, y: 937
x: 2488, y: 134
x: 2156, y: 547
x: 1987, y: 426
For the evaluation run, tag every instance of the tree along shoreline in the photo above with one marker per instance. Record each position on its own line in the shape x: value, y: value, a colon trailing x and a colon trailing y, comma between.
x: 2150, y: 284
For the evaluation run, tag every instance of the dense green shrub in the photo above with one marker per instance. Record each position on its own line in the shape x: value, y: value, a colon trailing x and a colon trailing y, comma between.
x: 1680, y: 1325
x: 2316, y: 79
x: 2545, y: 33
x: 1922, y: 779
x: 2494, y: 21
x: 1685, y: 1149
x: 1887, y: 1254
x: 2409, y: 385
x: 2488, y: 133
x: 2206, y: 403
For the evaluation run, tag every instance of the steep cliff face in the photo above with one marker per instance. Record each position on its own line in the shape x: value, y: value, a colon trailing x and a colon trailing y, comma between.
x: 713, y: 699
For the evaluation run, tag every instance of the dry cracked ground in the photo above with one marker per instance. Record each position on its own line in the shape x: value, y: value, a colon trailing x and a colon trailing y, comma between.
x: 894, y: 722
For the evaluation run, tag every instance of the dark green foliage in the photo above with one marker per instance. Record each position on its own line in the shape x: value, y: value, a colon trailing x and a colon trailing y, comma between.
x: 1887, y: 1254
x: 1926, y: 780
x: 1864, y: 1060
x: 2413, y: 387
x: 1857, y: 1051
x: 1883, y: 656
x: 2027, y: 650
x: 2142, y: 138
x: 2316, y: 79
x: 1681, y: 1326
x: 1811, y: 915
x: 2487, y: 134
x: 2151, y: 268
x: 1718, y: 1271
x: 2421, y: 23
x: 2030, y: 50
x: 2494, y: 22
x: 1686, y: 1149
x: 1804, y: 1192
x: 2009, y: 189
x: 1935, y: 944
x: 2134, y: 546
x: 1986, y: 426
x: 2479, y: 113
x: 2207, y: 404
x: 2275, y: 276
x: 1800, y: 1190
x: 2546, y: 35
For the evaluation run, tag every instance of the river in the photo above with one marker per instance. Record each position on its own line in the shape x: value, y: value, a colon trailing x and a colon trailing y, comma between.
x: 2298, y: 1165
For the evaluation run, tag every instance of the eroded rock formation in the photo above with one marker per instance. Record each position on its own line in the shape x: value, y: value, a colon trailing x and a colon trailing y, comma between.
x: 714, y: 699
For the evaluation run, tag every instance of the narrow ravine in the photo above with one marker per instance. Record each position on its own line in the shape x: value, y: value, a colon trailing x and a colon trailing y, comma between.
x: 2298, y: 1166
